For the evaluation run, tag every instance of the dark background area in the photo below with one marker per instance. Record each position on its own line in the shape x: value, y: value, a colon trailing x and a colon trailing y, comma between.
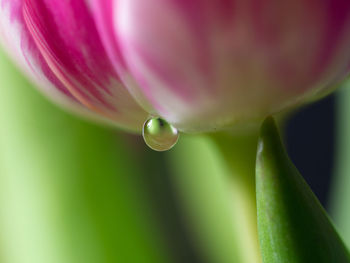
x: 310, y: 139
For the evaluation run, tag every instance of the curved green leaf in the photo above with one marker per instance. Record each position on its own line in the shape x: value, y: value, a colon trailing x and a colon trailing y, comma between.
x: 293, y: 226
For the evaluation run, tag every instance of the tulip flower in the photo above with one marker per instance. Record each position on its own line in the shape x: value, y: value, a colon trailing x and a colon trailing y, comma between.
x: 208, y: 64
x: 200, y: 65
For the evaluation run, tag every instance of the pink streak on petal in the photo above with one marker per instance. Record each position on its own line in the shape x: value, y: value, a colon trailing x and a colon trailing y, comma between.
x: 65, y: 56
x: 66, y: 35
x: 62, y: 50
x: 28, y: 48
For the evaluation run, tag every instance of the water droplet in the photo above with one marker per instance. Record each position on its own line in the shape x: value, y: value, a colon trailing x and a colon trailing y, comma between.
x: 159, y: 135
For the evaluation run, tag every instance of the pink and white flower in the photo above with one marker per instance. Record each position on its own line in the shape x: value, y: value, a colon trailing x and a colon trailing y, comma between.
x: 201, y: 65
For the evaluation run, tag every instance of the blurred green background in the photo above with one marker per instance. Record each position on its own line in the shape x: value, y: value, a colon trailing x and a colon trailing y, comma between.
x: 75, y: 191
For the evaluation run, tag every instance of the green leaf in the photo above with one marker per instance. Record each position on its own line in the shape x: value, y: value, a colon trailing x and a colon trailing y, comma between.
x: 293, y: 226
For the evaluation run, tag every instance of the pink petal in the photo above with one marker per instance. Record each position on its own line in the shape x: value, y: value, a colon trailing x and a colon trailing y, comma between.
x: 206, y: 64
x: 63, y: 38
x: 18, y: 41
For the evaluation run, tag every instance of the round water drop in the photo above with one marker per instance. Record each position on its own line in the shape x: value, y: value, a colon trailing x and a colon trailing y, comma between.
x: 159, y: 135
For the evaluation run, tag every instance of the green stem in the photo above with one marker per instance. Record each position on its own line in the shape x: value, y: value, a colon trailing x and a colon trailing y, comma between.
x: 240, y: 154
x: 215, y: 178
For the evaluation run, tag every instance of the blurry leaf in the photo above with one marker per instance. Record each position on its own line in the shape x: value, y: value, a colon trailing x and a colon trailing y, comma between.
x: 340, y: 194
x: 69, y: 190
x: 293, y: 226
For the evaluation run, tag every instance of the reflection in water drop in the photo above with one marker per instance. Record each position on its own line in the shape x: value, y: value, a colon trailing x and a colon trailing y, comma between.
x: 159, y: 135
